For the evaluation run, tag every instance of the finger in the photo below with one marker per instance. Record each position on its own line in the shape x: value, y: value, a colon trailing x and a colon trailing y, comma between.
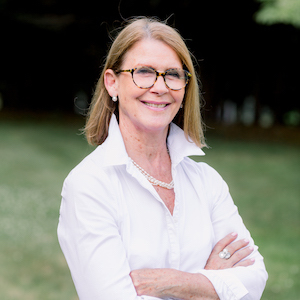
x: 236, y: 246
x: 220, y: 245
x: 239, y: 255
x: 245, y: 263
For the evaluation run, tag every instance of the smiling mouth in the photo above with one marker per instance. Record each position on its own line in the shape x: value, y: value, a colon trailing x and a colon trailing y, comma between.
x: 156, y: 105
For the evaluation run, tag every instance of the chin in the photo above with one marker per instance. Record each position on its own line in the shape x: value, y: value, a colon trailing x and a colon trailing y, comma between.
x: 156, y: 127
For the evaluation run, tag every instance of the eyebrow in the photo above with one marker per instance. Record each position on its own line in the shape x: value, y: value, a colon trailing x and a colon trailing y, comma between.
x: 150, y: 66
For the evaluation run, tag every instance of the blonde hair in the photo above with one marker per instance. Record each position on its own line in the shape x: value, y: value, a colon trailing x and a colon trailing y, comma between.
x: 102, y: 107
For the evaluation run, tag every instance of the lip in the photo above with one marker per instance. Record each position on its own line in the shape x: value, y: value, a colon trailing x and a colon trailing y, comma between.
x: 157, y: 106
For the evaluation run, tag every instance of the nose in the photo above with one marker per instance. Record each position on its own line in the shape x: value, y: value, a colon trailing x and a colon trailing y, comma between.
x: 159, y: 86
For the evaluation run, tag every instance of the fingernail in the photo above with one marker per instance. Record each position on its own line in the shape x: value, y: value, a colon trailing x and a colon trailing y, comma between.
x: 252, y: 259
x: 251, y: 248
x: 234, y: 234
x: 246, y: 240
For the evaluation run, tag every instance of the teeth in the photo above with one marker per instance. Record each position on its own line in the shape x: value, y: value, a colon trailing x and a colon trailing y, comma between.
x: 155, y: 105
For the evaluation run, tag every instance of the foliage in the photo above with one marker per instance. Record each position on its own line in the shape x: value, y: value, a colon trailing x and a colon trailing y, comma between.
x: 279, y: 11
x: 36, y: 157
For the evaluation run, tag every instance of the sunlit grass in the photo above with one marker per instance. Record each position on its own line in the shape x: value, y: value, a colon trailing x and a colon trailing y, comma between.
x: 37, y: 155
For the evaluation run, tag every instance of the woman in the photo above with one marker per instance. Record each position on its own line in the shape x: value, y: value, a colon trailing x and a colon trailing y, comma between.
x: 139, y: 219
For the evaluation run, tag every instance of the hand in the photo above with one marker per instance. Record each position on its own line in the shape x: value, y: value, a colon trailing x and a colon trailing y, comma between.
x: 238, y: 251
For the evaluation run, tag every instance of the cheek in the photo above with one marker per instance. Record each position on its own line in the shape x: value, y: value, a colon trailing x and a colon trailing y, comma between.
x: 128, y: 90
x: 178, y: 96
x: 129, y: 99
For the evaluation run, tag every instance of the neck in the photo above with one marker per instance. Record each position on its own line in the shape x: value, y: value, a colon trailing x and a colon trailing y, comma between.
x: 149, y: 152
x: 145, y: 148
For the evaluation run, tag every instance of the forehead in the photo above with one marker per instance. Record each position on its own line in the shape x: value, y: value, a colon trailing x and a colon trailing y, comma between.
x: 153, y: 53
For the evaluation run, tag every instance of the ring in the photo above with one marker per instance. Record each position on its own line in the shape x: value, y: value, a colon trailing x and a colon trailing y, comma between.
x: 224, y: 254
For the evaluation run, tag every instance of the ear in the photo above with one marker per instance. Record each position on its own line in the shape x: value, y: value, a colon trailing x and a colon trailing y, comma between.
x: 111, y: 82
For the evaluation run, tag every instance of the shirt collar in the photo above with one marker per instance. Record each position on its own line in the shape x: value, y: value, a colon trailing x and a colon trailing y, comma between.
x: 179, y: 147
x: 115, y: 151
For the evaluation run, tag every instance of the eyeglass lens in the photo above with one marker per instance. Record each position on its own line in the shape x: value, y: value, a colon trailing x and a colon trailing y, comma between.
x: 145, y: 77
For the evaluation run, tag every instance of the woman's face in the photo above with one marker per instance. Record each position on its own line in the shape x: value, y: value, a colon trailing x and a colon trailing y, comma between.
x: 151, y: 109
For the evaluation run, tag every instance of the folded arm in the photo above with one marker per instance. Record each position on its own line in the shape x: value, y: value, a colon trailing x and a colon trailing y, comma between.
x: 89, y: 236
x: 241, y: 276
x: 170, y: 283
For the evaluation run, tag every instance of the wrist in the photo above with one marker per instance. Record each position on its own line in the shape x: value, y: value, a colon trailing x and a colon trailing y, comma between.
x: 191, y: 286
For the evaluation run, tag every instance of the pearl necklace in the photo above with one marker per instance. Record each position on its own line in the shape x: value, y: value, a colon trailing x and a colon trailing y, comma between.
x: 153, y: 180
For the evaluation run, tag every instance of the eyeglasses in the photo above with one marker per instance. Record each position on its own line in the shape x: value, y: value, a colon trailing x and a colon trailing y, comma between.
x: 145, y: 77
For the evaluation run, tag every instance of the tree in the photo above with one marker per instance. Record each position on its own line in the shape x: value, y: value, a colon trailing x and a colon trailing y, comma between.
x: 279, y: 11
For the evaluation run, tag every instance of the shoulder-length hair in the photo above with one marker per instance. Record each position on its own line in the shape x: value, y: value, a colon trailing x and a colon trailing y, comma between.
x: 102, y: 107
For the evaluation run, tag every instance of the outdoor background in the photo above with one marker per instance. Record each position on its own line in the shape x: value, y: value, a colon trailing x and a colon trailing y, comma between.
x: 51, y: 53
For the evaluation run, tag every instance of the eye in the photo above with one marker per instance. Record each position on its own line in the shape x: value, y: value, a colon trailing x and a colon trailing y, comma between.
x: 144, y: 71
x: 174, y: 74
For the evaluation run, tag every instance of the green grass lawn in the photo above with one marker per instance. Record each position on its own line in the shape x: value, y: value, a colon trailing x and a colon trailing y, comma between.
x: 37, y: 155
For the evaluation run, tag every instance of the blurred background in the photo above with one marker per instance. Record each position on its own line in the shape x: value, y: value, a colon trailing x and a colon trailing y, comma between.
x: 51, y: 53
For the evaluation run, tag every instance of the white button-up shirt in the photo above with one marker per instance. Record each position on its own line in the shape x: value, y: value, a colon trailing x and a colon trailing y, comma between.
x: 112, y: 221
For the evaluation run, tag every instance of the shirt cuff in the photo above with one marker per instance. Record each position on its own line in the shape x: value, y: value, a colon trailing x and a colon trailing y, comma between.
x: 227, y: 285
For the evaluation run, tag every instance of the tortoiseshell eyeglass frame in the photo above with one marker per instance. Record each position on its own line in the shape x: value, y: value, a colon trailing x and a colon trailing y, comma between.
x: 163, y: 74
